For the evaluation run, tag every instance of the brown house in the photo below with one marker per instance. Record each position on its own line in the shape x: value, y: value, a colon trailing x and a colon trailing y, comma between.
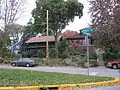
x: 78, y: 42
x: 37, y: 45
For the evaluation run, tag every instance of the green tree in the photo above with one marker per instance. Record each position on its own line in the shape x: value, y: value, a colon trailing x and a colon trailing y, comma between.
x: 63, y: 49
x: 60, y: 14
x: 29, y: 31
x: 27, y: 34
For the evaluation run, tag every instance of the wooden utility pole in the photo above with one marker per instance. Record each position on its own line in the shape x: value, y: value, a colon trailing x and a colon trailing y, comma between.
x: 47, y: 48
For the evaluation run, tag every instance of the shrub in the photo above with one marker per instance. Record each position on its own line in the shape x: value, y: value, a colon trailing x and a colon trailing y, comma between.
x: 112, y: 53
x: 53, y: 53
x: 63, y: 49
x: 92, y: 63
x: 92, y: 55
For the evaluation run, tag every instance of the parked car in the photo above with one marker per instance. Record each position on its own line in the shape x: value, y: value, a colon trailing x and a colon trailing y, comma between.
x: 114, y: 64
x: 24, y: 62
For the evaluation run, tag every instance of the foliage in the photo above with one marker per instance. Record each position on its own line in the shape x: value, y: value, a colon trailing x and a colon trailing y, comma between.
x: 60, y: 14
x: 92, y: 55
x: 92, y: 63
x: 27, y: 34
x: 29, y: 31
x: 16, y: 32
x: 9, y: 77
x: 112, y: 54
x: 106, y: 22
x: 63, y: 49
x: 11, y: 11
x: 53, y: 53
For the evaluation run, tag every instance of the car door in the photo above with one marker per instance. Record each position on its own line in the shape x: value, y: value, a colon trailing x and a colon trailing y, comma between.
x: 19, y: 63
x: 25, y: 61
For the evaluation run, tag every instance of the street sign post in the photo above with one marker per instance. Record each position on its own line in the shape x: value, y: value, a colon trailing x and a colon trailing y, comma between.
x: 87, y: 45
x: 87, y: 32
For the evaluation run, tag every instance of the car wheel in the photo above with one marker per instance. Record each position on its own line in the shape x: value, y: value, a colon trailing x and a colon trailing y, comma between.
x: 114, y: 66
x: 27, y: 65
x: 13, y: 64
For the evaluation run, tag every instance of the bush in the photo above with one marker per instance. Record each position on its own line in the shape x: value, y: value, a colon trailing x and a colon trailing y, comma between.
x: 112, y: 53
x: 91, y: 64
x: 63, y: 49
x: 53, y: 53
x: 92, y: 55
x: 41, y: 61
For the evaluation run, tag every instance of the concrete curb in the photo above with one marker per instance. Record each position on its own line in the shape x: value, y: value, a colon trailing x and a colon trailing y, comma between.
x: 62, y: 86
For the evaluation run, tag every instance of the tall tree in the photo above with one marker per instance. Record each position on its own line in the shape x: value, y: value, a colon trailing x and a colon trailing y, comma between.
x: 10, y: 12
x: 105, y: 21
x: 60, y: 14
x: 16, y: 32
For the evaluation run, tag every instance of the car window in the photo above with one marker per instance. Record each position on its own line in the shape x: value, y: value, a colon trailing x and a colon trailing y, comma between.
x: 25, y: 59
x: 20, y: 59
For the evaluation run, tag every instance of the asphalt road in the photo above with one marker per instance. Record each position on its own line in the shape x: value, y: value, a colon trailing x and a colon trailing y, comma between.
x: 100, y: 71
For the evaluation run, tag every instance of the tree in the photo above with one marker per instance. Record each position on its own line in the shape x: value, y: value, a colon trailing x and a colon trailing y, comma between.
x: 16, y: 32
x: 105, y: 21
x: 28, y: 31
x: 10, y: 12
x: 60, y: 14
x: 27, y: 34
x: 105, y: 16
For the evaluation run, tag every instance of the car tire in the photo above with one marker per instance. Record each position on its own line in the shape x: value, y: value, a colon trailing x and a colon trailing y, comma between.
x: 13, y: 64
x: 27, y: 65
x: 114, y: 66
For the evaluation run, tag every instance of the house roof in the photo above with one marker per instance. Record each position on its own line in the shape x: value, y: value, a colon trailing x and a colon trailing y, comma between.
x: 69, y: 33
x: 42, y: 39
x: 77, y: 37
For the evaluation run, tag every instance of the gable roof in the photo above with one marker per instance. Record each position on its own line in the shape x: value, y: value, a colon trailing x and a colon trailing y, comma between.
x: 42, y: 39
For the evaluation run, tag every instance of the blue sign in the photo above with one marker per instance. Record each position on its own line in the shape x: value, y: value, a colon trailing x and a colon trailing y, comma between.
x: 86, y: 31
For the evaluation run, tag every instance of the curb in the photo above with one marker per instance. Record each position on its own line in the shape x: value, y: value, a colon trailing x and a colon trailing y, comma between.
x: 62, y: 86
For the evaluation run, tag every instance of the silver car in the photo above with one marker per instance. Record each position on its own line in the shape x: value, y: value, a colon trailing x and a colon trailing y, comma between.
x: 24, y: 62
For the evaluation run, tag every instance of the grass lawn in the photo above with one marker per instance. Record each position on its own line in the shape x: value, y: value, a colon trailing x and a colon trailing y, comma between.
x: 10, y: 77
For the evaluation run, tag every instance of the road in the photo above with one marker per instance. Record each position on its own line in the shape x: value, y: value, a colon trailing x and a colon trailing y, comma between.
x: 100, y: 71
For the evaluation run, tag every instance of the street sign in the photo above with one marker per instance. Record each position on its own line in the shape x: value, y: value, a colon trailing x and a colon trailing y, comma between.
x: 86, y: 31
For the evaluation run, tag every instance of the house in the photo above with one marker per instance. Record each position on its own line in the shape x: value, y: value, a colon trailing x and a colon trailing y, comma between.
x: 15, y: 48
x: 78, y: 40
x: 36, y: 46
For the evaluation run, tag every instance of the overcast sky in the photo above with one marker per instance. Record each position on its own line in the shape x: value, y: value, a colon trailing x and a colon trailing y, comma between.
x: 78, y: 24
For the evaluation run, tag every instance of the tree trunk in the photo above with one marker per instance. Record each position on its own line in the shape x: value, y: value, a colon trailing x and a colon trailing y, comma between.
x: 99, y: 53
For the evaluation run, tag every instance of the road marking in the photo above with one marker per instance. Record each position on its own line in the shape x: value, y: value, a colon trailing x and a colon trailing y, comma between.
x: 93, y: 73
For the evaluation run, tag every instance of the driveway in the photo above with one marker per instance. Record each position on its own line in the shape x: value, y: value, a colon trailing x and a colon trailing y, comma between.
x: 99, y: 71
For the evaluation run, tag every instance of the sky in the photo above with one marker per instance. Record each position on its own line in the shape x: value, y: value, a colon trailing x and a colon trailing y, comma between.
x: 78, y: 24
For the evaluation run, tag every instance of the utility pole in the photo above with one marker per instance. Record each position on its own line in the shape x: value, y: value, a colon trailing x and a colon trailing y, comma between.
x: 47, y: 48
